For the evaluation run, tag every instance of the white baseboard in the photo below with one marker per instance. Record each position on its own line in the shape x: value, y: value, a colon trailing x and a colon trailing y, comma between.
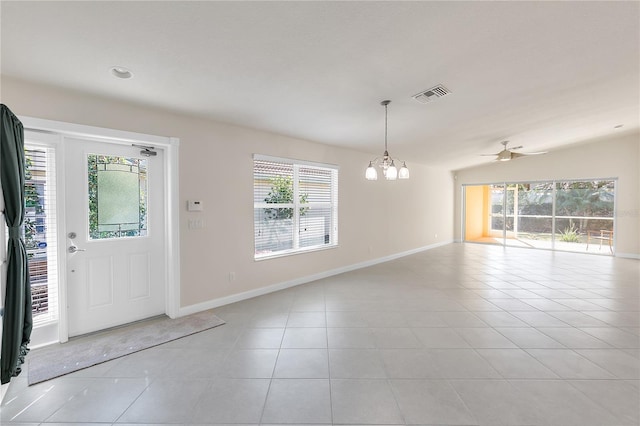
x: 628, y: 255
x: 44, y: 335
x: 215, y: 303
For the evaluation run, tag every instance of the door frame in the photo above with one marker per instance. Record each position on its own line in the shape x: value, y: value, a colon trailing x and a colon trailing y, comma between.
x: 170, y: 146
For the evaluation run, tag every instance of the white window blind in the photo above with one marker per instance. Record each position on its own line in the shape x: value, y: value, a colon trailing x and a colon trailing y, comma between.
x: 40, y: 231
x: 295, y: 206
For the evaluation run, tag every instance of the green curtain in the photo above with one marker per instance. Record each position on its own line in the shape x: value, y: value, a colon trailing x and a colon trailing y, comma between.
x: 17, y: 321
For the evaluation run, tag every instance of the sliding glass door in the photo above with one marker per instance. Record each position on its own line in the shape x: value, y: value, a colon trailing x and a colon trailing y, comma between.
x: 584, y: 216
x: 529, y: 214
x: 562, y: 215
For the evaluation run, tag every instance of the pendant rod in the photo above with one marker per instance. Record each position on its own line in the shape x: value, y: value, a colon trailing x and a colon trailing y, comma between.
x: 385, y: 128
x: 385, y: 103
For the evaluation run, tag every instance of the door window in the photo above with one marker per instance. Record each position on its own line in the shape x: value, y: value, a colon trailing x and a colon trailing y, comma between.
x: 117, y: 196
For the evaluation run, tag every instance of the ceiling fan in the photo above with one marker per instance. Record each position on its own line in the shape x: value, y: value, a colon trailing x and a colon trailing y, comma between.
x: 509, y: 154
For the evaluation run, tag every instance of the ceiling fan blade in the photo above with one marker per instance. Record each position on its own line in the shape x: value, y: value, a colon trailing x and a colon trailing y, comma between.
x: 525, y: 154
x: 509, y: 154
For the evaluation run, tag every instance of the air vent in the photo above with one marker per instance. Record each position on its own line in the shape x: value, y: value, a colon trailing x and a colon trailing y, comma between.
x: 431, y: 94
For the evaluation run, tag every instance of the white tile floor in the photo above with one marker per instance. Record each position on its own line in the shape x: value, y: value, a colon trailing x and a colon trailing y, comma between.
x: 461, y: 335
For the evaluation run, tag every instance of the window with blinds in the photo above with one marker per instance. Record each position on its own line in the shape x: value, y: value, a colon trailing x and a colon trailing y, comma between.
x: 40, y: 231
x: 295, y: 206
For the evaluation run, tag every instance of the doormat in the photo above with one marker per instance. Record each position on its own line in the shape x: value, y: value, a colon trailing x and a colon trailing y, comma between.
x: 92, y: 349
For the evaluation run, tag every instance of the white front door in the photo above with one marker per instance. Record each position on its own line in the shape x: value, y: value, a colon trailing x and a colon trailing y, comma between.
x: 114, y: 207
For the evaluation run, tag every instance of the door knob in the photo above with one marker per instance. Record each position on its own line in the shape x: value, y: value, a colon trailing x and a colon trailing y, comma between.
x: 73, y: 249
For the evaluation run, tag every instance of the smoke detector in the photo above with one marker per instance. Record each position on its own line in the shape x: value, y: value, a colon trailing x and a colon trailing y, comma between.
x: 431, y: 94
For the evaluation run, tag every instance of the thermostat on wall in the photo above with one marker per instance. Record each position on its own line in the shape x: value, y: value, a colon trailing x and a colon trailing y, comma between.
x: 194, y: 206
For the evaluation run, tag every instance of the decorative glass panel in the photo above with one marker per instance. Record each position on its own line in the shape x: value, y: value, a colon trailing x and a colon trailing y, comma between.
x: 117, y: 196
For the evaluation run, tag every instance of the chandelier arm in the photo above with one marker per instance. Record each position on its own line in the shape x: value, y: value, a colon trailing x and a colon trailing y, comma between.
x: 400, y: 160
x: 378, y: 160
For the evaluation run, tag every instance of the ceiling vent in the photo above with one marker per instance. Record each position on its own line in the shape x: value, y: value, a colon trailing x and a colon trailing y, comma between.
x: 431, y: 94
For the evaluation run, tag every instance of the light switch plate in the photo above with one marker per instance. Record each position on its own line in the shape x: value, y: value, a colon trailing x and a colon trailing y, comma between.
x: 194, y: 206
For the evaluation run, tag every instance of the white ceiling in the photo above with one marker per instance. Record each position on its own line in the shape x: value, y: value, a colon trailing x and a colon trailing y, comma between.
x: 541, y: 74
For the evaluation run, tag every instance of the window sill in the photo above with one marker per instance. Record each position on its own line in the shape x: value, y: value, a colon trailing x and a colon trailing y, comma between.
x: 294, y: 252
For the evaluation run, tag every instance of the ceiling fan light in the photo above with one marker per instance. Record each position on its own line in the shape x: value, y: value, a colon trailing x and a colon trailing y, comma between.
x: 504, y: 156
x: 371, y: 173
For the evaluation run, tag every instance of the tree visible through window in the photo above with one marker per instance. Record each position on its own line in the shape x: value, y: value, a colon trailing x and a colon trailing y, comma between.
x: 295, y: 206
x: 282, y: 193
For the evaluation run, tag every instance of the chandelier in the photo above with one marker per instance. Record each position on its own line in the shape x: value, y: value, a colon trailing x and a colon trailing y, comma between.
x: 386, y: 162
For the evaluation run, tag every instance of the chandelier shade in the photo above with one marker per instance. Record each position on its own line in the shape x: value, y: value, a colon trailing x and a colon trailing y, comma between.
x: 371, y: 173
x: 404, y: 171
x: 386, y: 162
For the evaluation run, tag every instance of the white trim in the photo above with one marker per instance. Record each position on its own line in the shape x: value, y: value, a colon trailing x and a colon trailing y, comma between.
x: 172, y: 233
x: 463, y: 210
x: 627, y: 255
x: 172, y: 224
x: 61, y: 217
x: 45, y: 334
x: 270, y: 158
x: 615, y: 236
x: 94, y: 133
x: 215, y: 303
x: 295, y: 252
x: 553, y: 180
